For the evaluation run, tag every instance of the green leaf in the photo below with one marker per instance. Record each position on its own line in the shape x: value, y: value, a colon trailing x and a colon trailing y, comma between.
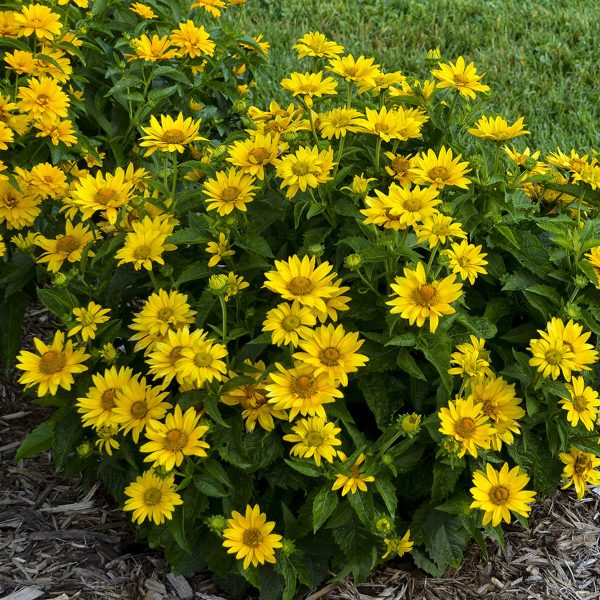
x: 444, y: 480
x: 437, y: 348
x: 13, y: 312
x: 324, y: 504
x: 404, y: 340
x: 362, y: 503
x: 387, y: 491
x: 374, y: 389
x: 255, y: 244
x: 306, y: 468
x: 408, y: 364
x: 39, y: 440
x: 67, y: 435
x: 59, y: 301
x: 479, y: 326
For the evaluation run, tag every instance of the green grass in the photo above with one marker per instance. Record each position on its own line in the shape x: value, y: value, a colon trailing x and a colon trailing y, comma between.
x: 541, y: 57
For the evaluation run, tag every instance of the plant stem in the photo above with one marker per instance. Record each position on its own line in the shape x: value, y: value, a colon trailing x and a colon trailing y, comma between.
x: 431, y: 257
x: 174, y: 188
x: 366, y: 281
x: 224, y: 318
x: 154, y: 280
x: 377, y: 154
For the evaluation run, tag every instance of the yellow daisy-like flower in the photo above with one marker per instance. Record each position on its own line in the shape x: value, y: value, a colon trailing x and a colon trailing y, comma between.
x: 338, y: 122
x: 353, y: 480
x: 163, y: 359
x: 249, y: 537
x: 102, y: 193
x: 229, y: 190
x: 470, y: 359
x: 466, y: 260
x: 498, y: 493
x: 137, y: 405
x: 395, y: 124
x: 315, y: 438
x: 593, y: 256
x: 43, y: 180
x: 580, y: 469
x: 20, y: 61
x: 146, y: 244
x: 466, y: 422
x: 440, y: 170
x: 43, y: 99
x: 6, y: 135
x: 398, y: 546
x: 575, y: 339
x: 162, y: 312
x: 551, y: 357
x: 361, y: 70
x: 332, y: 351
x: 57, y: 65
x: 306, y: 168
x: 18, y: 210
x: 498, y: 130
x: 309, y: 86
x: 379, y: 211
x: 219, y: 249
x: 192, y: 41
x: 254, y: 154
x: 438, y: 229
x: 201, y: 361
x: 412, y: 205
x: 53, y: 366
x: 399, y: 168
x: 151, y: 50
x: 106, y: 440
x: 67, y: 247
x: 316, y: 44
x: 57, y: 131
x: 301, y: 391
x: 213, y: 7
x: 582, y: 404
x: 289, y: 321
x: 88, y: 320
x: 236, y: 284
x: 25, y: 242
x: 39, y: 20
x: 382, y: 82
x: 360, y: 184
x: 302, y: 280
x: 8, y: 24
x: 500, y: 404
x: 178, y: 437
x: 170, y: 135
x: 2, y: 247
x: 153, y: 498
x: 336, y: 302
x: 97, y: 406
x: 142, y: 10
x: 573, y: 162
x: 460, y: 76
x: 419, y: 300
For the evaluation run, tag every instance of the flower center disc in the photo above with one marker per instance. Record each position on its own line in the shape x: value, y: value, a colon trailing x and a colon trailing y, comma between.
x: 582, y: 465
x: 142, y: 252
x: 301, y: 168
x: 175, y: 440
x: 466, y: 427
x: 460, y: 78
x: 425, y: 295
x: 290, y: 323
x: 553, y: 357
x: 438, y: 173
x: 173, y: 136
x: 105, y: 196
x: 260, y: 155
x: 252, y: 537
x: 230, y: 194
x: 175, y: 354
x: 67, y: 244
x: 579, y: 403
x: 52, y: 362
x: 139, y: 410
x: 108, y: 398
x: 314, y: 438
x: 499, y: 494
x: 330, y: 356
x: 303, y: 386
x: 413, y: 204
x: 203, y: 359
x: 164, y: 314
x: 300, y: 285
x: 152, y: 496
x: 400, y: 166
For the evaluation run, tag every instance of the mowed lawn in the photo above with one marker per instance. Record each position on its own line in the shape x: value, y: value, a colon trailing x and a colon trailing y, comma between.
x: 541, y: 57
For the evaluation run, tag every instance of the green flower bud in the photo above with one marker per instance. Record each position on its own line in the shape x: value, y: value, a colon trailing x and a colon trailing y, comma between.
x: 529, y: 163
x: 411, y: 424
x: 219, y: 151
x: 581, y: 281
x: 447, y: 208
x: 353, y: 262
x: 573, y: 311
x: 387, y: 459
x: 316, y: 250
x: 291, y: 136
x: 60, y: 279
x: 216, y: 523
x: 383, y: 525
x: 108, y: 353
x: 219, y: 285
x: 240, y: 106
x: 85, y: 449
x: 450, y: 446
x: 288, y: 547
x: 166, y: 270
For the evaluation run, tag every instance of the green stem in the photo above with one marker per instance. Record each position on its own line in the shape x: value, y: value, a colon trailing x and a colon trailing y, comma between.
x: 366, y: 281
x: 154, y: 280
x: 377, y: 154
x: 174, y: 188
x: 339, y: 157
x: 224, y: 318
x: 579, y: 203
x: 431, y: 257
x: 349, y: 102
x: 312, y: 125
x: 497, y: 158
x: 165, y: 174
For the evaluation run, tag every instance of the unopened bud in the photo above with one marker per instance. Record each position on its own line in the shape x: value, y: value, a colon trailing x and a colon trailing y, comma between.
x: 84, y: 449
x: 316, y: 250
x: 216, y: 523
x: 383, y: 525
x: 218, y: 284
x: 353, y: 262
x: 411, y: 424
x: 287, y: 547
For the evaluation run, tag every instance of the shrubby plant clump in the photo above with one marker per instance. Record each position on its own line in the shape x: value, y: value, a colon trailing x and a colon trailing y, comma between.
x: 296, y: 338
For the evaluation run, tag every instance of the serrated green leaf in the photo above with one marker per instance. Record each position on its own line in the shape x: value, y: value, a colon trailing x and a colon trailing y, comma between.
x: 324, y: 504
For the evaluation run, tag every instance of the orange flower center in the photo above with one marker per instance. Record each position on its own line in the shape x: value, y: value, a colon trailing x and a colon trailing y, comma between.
x: 466, y: 427
x: 173, y: 136
x: 438, y: 173
x: 400, y: 165
x: 175, y: 354
x: 425, y: 295
x: 68, y: 244
x: 499, y: 494
x: 290, y: 323
x: 229, y: 194
x: 300, y: 285
x: 152, y: 496
x: 203, y: 359
x: 553, y: 357
x: 582, y: 465
x: 260, y: 154
x: 105, y: 196
x: 579, y: 403
x: 10, y: 200
x: 175, y: 440
x: 301, y: 168
x: 42, y: 99
x: 413, y: 204
x: 314, y: 438
x: 164, y: 314
x: 108, y: 398
x: 382, y: 126
x: 139, y: 409
x: 142, y: 252
x: 303, y: 386
x: 330, y: 356
x: 252, y: 537
x: 52, y: 362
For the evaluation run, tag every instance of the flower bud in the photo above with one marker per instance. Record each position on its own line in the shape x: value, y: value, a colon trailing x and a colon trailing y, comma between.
x: 411, y: 424
x: 216, y: 523
x: 316, y: 250
x: 219, y: 151
x: 84, y: 449
x: 383, y: 525
x: 288, y: 547
x: 573, y: 311
x: 108, y: 353
x: 60, y: 279
x: 450, y: 446
x: 353, y: 262
x: 240, y: 106
x: 219, y: 285
x: 434, y: 54
x: 166, y: 270
x: 581, y: 281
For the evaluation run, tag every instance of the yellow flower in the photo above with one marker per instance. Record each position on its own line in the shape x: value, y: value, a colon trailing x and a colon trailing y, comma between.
x: 97, y: 406
x: 412, y: 204
x: 309, y: 85
x: 306, y: 168
x: 379, y: 212
x: 162, y: 312
x: 220, y: 250
x: 6, y: 135
x: 398, y: 546
x: 163, y: 359
x: 151, y: 50
x: 24, y: 242
x: 399, y: 168
x: 67, y: 247
x: 288, y: 322
x: 18, y: 210
x: 178, y: 437
x: 104, y: 193
x: 58, y: 131
x: 360, y: 184
x: 254, y: 154
x: 53, y: 366
x: 106, y: 441
x: 470, y: 359
x: 229, y: 190
x: 170, y: 135
x: 498, y: 493
x: 43, y: 180
x: 39, y: 20
x: 213, y: 7
x: 88, y: 320
x: 333, y: 351
x: 142, y: 10
x: 338, y: 122
x: 249, y: 537
x: 419, y: 300
x: 466, y: 260
x: 381, y: 82
x: 582, y: 403
x: 593, y: 257
x: 499, y: 404
x: 8, y: 24
x: 361, y: 70
x: 336, y: 302
x: 2, y: 247
x: 315, y: 438
x: 572, y: 162
x: 316, y: 44
x: 236, y: 284
x: 466, y: 422
x: 20, y: 61
x: 153, y: 498
x: 438, y: 229
x: 137, y: 405
x: 441, y: 170
x: 461, y: 77
x: 580, y: 469
x: 395, y: 124
x: 573, y: 337
x: 192, y: 41
x: 201, y: 361
x: 57, y: 65
x: 302, y: 280
x: 43, y: 99
x: 354, y: 480
x: 301, y: 391
x: 498, y: 129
